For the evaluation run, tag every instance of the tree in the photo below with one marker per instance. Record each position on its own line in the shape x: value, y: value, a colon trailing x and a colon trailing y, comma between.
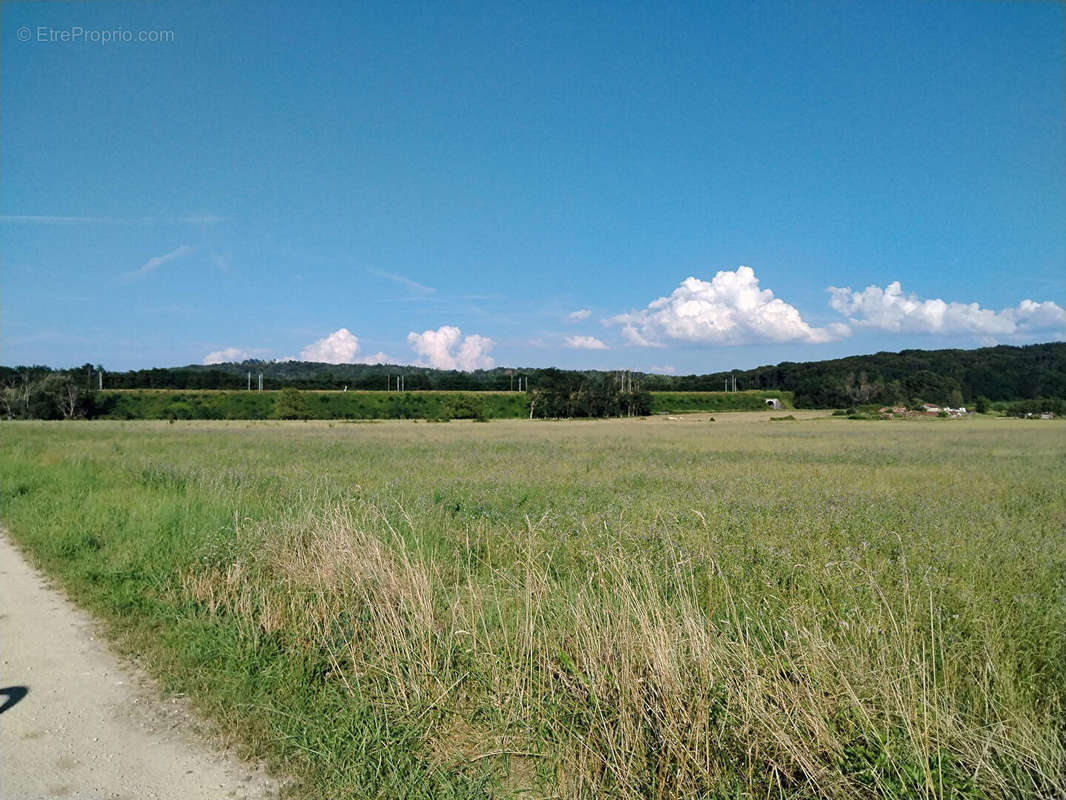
x: 67, y: 396
x: 565, y: 394
x: 15, y: 398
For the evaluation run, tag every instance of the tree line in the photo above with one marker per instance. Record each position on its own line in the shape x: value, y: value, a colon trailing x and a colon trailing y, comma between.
x: 946, y: 377
x: 42, y: 393
x: 564, y: 395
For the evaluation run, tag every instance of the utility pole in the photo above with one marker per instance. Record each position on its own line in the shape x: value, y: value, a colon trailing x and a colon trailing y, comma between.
x: 260, y: 381
x: 100, y: 375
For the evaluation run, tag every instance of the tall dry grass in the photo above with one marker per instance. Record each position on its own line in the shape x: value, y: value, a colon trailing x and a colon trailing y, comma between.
x: 613, y: 675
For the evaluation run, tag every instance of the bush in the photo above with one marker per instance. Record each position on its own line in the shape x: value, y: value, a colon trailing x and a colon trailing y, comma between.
x: 464, y: 406
x: 1040, y: 405
x: 290, y: 404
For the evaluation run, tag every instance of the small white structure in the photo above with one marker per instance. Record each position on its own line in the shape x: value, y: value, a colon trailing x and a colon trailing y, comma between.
x: 774, y: 403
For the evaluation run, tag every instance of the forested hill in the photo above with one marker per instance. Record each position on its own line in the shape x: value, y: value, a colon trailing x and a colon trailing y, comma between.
x: 940, y: 376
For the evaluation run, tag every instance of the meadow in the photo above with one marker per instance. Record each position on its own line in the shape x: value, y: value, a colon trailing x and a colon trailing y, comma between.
x: 660, y: 608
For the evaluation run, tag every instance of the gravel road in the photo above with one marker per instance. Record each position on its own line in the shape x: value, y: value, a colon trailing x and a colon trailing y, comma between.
x: 76, y: 722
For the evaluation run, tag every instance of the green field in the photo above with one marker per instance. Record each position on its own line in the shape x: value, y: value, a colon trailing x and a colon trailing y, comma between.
x: 661, y: 608
x: 209, y: 404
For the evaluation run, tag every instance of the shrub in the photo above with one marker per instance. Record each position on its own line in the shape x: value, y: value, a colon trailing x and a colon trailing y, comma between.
x: 290, y: 404
x: 464, y: 406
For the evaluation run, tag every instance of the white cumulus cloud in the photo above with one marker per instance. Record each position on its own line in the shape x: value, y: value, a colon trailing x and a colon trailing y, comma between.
x: 340, y: 347
x: 891, y: 310
x: 447, y: 348
x: 234, y: 354
x: 580, y: 314
x: 585, y: 343
x: 730, y: 309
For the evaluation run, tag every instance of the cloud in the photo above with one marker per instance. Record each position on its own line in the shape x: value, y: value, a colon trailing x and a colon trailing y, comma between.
x: 234, y: 354
x: 414, y: 286
x: 340, y: 347
x: 889, y: 309
x: 206, y: 219
x: 447, y: 348
x: 730, y: 309
x: 155, y: 262
x: 577, y: 316
x: 585, y: 343
x: 221, y: 261
x: 664, y: 369
x: 377, y: 358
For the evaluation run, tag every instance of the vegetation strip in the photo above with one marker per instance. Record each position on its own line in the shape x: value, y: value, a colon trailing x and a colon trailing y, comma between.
x: 824, y: 608
x: 1020, y: 381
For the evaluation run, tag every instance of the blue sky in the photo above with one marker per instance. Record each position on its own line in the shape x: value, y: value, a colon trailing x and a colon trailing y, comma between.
x: 689, y: 188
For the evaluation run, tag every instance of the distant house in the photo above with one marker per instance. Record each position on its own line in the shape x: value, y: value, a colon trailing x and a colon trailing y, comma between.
x: 929, y: 408
x: 774, y: 403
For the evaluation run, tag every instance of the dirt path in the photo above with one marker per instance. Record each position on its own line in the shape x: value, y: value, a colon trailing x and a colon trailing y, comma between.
x: 75, y: 722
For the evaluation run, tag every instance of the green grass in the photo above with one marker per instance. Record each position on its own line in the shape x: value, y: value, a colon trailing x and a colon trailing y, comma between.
x: 130, y: 404
x: 750, y: 400
x: 625, y: 608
